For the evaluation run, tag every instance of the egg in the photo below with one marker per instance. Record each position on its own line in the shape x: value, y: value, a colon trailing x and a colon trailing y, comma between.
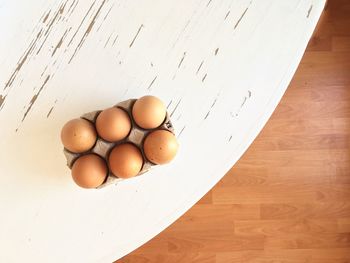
x: 160, y: 146
x: 78, y: 135
x: 125, y: 160
x: 149, y: 112
x: 89, y: 171
x: 113, y: 124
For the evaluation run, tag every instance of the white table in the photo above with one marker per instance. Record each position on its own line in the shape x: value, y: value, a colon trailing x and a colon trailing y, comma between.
x: 221, y: 66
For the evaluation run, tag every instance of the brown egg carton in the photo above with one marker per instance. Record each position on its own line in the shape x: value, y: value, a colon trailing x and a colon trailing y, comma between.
x: 136, y: 136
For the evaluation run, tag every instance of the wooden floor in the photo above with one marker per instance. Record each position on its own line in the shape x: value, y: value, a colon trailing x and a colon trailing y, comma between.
x: 288, y: 198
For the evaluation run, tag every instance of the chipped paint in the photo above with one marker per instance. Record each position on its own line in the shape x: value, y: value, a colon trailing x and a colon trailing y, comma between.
x: 138, y: 32
x: 81, y: 23
x: 59, y: 44
x: 87, y: 31
x: 49, y: 27
x: 35, y: 97
x: 22, y: 60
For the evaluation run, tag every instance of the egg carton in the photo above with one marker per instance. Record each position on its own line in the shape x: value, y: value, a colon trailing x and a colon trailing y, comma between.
x: 136, y: 136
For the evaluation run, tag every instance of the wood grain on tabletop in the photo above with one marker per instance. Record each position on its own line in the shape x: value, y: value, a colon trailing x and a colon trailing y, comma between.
x: 288, y: 198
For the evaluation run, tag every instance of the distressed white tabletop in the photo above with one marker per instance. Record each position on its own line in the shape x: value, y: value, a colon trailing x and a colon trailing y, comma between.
x: 221, y: 66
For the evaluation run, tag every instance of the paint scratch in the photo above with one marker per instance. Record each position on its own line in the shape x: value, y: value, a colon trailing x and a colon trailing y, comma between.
x: 204, y: 77
x: 46, y: 17
x: 249, y: 93
x: 2, y: 101
x: 138, y: 32
x: 229, y: 139
x: 182, y: 59
x: 216, y: 51
x: 206, y: 116
x: 50, y: 111
x: 35, y: 97
x: 169, y: 104
x: 48, y: 114
x: 181, y: 33
x: 213, y: 103
x: 244, y: 101
x: 115, y: 39
x: 200, y: 67
x: 240, y: 19
x: 105, y: 17
x: 309, y: 11
x: 70, y: 7
x: 178, y: 118
x: 88, y: 30
x: 172, y: 113
x: 108, y: 40
x: 209, y: 3
x: 150, y: 85
x: 181, y: 131
x: 227, y: 15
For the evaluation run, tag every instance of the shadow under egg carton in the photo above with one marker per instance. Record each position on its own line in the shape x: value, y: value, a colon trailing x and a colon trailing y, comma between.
x: 136, y: 136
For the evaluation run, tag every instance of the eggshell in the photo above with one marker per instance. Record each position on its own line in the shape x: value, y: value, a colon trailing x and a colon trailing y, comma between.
x: 89, y: 171
x: 113, y: 124
x: 125, y: 160
x: 160, y: 146
x: 149, y: 112
x: 78, y: 135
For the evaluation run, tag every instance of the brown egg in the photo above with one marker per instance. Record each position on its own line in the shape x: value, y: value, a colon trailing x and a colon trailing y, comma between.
x: 149, y: 112
x: 113, y: 124
x: 78, y: 135
x: 160, y: 146
x: 89, y: 171
x: 125, y: 160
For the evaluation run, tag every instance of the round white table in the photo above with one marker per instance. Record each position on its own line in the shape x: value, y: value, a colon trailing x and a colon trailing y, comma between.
x: 220, y: 66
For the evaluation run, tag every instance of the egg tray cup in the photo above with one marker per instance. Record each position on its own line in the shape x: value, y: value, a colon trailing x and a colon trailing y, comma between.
x: 136, y: 137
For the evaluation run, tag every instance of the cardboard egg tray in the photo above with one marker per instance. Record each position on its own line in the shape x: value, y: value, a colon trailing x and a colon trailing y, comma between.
x: 136, y: 136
